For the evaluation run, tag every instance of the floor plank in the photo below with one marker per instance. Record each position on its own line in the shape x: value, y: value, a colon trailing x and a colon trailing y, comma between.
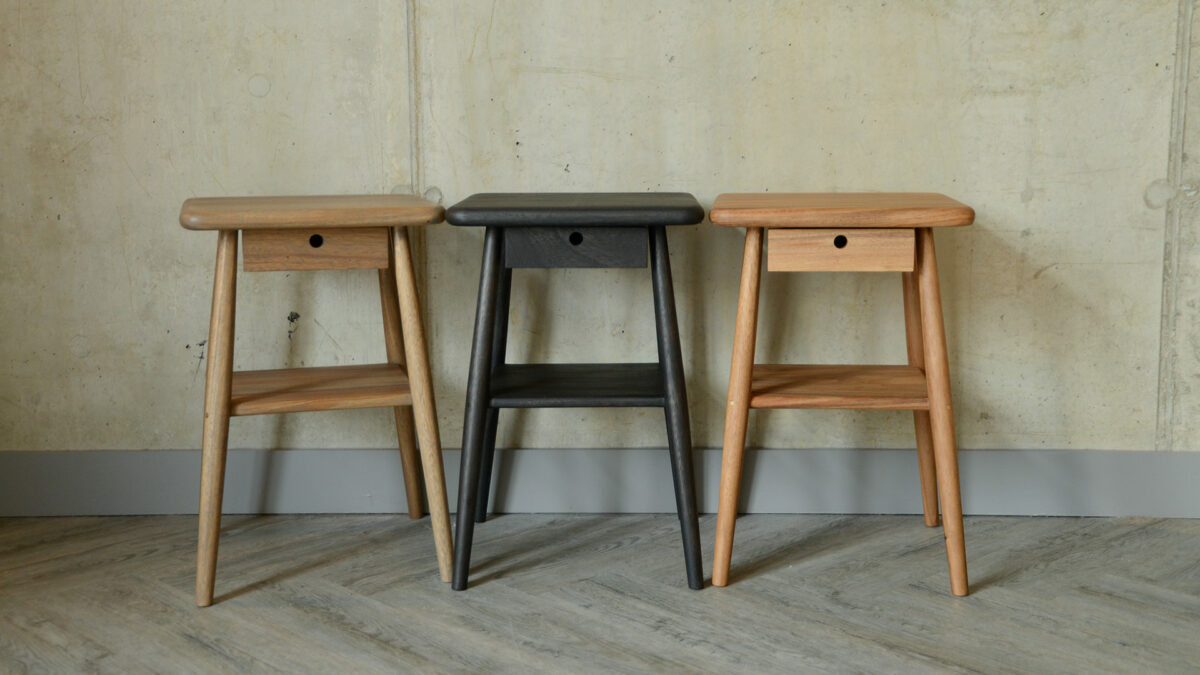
x: 574, y: 593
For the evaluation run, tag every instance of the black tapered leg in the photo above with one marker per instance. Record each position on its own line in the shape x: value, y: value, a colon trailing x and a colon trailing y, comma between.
x: 499, y: 345
x: 679, y: 435
x: 478, y: 392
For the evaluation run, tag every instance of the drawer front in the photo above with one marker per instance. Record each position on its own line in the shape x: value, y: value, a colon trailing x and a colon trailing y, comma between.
x: 578, y: 247
x: 315, y: 249
x: 849, y: 250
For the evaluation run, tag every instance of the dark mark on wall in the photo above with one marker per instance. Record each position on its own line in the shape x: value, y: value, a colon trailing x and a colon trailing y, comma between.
x: 199, y: 356
x: 292, y: 317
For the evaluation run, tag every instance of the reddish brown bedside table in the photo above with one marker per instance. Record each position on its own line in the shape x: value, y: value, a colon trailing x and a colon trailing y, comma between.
x: 866, y: 232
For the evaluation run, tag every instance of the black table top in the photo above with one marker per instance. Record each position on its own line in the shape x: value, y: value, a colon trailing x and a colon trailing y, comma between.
x: 576, y: 209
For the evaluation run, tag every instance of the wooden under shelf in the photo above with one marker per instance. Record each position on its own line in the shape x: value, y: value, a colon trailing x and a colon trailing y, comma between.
x: 850, y: 387
x: 577, y: 385
x: 259, y: 392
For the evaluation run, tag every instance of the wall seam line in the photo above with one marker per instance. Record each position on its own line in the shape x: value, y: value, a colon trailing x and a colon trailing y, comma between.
x: 1167, y: 361
x: 415, y: 163
x: 414, y: 97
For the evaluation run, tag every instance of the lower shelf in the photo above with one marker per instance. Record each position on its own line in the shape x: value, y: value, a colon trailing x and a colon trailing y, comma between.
x: 850, y: 387
x: 259, y: 392
x: 578, y: 385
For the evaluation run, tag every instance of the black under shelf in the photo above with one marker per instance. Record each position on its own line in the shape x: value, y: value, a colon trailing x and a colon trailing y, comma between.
x: 578, y: 385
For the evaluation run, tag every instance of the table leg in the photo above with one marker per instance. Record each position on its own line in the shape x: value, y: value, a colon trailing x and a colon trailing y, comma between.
x: 478, y: 393
x: 499, y: 346
x: 737, y: 411
x: 215, y: 440
x: 393, y: 335
x: 941, y: 414
x: 916, y: 357
x: 679, y: 435
x: 420, y: 380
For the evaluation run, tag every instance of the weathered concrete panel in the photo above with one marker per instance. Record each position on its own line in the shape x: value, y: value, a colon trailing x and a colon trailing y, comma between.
x: 1050, y: 119
x: 113, y: 113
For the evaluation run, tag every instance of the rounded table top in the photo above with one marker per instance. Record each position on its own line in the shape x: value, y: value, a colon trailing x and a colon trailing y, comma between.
x: 576, y: 209
x: 290, y: 212
x: 840, y: 209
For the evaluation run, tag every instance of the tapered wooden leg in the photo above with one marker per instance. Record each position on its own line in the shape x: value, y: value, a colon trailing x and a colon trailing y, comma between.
x: 941, y: 414
x: 737, y: 410
x: 916, y: 357
x: 215, y: 439
x: 394, y: 339
x: 420, y: 381
x: 478, y: 393
x: 499, y: 345
x: 487, y: 457
x: 679, y: 434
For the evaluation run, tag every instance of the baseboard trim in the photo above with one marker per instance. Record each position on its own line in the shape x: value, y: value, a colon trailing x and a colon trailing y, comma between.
x: 1001, y: 482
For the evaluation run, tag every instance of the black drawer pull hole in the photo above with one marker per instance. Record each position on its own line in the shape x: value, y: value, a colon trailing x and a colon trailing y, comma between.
x: 840, y: 241
x: 316, y: 240
x: 575, y: 238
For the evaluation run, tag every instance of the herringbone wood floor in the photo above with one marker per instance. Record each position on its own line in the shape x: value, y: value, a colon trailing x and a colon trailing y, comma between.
x: 334, y: 594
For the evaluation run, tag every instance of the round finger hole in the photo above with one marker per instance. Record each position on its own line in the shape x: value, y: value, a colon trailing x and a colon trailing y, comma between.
x: 840, y: 241
x: 575, y: 238
x: 316, y: 240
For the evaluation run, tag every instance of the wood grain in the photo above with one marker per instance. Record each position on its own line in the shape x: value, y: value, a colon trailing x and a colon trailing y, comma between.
x: 262, y: 392
x: 315, y: 249
x: 495, y: 284
x: 941, y: 413
x: 842, y: 387
x: 215, y: 438
x: 924, y: 433
x: 675, y: 405
x: 737, y: 409
x: 499, y: 353
x: 863, y: 209
x: 577, y: 385
x: 597, y: 593
x: 565, y: 247
x: 292, y: 212
x: 849, y: 250
x: 393, y: 337
x: 424, y: 411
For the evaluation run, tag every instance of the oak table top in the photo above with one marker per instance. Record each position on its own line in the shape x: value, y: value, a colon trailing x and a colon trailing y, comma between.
x: 847, y: 210
x: 326, y: 211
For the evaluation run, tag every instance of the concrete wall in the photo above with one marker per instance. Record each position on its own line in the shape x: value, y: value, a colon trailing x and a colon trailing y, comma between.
x: 1063, y: 124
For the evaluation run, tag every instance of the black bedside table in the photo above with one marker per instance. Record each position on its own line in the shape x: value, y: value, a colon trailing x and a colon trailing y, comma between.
x: 597, y: 230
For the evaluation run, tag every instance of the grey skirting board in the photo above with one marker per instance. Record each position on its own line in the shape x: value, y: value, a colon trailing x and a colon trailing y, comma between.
x: 994, y: 482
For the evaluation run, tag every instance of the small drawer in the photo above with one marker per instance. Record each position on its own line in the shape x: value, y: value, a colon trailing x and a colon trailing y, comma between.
x: 315, y: 249
x: 849, y: 250
x: 576, y: 247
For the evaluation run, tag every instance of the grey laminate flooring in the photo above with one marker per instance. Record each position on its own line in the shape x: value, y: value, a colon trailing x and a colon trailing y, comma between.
x: 337, y: 594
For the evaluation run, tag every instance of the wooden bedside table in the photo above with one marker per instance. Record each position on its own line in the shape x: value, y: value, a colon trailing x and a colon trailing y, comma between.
x: 865, y: 232
x: 319, y: 233
x: 571, y: 230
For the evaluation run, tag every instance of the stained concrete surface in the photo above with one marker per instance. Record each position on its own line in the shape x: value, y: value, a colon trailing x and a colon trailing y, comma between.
x: 1051, y: 119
